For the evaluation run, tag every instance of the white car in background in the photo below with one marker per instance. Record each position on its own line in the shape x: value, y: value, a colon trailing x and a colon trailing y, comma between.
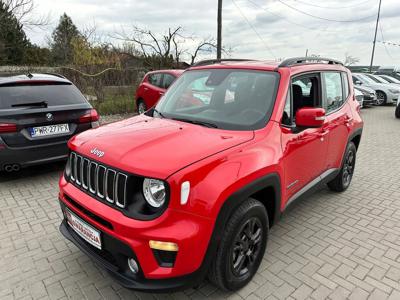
x: 386, y: 93
x: 390, y: 79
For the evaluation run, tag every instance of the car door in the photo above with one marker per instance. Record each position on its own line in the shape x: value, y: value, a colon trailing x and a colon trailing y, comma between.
x: 154, y: 90
x: 336, y: 94
x: 305, y: 149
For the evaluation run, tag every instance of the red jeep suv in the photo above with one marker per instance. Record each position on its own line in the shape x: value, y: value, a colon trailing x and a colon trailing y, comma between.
x: 183, y: 191
x: 153, y: 86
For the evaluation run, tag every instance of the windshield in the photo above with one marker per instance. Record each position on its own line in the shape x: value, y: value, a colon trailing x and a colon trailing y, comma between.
x: 52, y: 94
x: 390, y: 79
x: 224, y: 98
x: 364, y: 78
x: 376, y: 79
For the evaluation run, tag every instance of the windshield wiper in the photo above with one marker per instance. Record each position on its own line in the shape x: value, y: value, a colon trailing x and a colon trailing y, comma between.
x: 159, y: 113
x: 31, y: 104
x: 197, y: 122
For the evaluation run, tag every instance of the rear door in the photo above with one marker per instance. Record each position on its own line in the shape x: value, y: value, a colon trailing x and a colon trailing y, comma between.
x: 338, y: 115
x: 44, y: 112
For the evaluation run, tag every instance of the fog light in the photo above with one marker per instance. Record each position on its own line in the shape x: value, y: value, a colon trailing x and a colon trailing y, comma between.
x: 133, y: 265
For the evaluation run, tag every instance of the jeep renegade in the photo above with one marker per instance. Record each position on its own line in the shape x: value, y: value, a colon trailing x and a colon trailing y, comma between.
x: 192, y: 187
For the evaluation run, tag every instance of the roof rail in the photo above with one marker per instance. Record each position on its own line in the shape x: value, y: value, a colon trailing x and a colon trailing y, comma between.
x: 215, y: 61
x: 307, y: 60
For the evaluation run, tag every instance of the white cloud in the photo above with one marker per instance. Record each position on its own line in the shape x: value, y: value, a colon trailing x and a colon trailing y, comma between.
x: 285, y: 31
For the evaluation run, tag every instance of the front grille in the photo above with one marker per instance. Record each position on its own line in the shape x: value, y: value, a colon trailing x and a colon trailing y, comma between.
x: 99, y: 180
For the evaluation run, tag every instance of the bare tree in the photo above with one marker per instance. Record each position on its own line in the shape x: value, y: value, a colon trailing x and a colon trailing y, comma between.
x: 166, y: 49
x: 23, y: 11
x: 350, y: 60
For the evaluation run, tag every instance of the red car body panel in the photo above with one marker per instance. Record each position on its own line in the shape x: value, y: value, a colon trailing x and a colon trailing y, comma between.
x: 150, y: 93
x: 217, y: 163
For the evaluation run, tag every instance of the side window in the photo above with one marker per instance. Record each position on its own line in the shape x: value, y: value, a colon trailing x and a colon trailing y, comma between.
x: 155, y: 79
x: 168, y: 80
x: 305, y: 91
x: 346, y: 85
x: 333, y: 90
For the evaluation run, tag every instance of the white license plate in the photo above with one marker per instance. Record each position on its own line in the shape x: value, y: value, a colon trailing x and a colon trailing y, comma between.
x: 83, y: 229
x: 49, y: 130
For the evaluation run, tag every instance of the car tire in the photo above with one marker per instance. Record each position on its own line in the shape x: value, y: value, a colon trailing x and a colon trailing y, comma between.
x: 397, y: 112
x: 381, y: 98
x: 242, y: 246
x: 342, y: 181
x: 141, y: 107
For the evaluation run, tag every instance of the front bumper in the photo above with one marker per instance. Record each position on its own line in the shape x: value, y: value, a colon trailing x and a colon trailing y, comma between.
x: 392, y: 98
x: 136, y: 282
x: 32, y: 155
x: 131, y: 239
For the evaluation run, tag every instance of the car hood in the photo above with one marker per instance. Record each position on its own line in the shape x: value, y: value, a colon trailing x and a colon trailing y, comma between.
x: 154, y: 147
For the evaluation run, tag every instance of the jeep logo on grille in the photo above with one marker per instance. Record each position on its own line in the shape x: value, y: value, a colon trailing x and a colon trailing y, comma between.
x: 97, y: 152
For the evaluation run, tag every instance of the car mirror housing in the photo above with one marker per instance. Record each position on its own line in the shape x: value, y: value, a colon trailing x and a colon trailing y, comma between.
x: 310, y: 117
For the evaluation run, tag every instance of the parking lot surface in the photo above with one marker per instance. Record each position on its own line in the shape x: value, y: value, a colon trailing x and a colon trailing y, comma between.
x: 336, y: 246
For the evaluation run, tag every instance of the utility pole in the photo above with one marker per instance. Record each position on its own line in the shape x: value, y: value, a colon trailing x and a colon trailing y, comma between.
x: 219, y: 30
x: 376, y: 31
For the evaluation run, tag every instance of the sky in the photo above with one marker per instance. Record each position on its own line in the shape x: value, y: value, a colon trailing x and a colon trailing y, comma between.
x: 256, y: 29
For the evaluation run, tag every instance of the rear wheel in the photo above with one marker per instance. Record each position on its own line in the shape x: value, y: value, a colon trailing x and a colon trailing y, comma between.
x: 381, y: 98
x: 397, y: 113
x: 242, y: 247
x: 342, y: 181
x: 141, y: 107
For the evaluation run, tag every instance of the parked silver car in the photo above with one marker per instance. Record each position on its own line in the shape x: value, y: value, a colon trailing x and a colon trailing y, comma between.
x: 387, y: 93
x: 359, y: 97
x: 390, y: 79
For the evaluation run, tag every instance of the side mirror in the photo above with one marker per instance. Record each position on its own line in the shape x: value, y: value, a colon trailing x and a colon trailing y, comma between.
x: 358, y: 82
x: 310, y: 117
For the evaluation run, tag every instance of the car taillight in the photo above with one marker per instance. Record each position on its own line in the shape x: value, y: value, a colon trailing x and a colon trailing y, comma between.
x: 8, y: 127
x: 92, y: 116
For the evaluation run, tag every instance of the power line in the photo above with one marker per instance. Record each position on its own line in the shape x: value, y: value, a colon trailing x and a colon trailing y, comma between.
x: 287, y: 20
x: 384, y: 43
x: 253, y: 28
x: 331, y: 7
x: 322, y: 18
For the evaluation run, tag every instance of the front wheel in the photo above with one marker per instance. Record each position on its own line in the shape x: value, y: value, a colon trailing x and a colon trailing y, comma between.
x: 141, y: 107
x: 242, y: 247
x: 397, y: 113
x: 342, y: 181
x: 381, y: 98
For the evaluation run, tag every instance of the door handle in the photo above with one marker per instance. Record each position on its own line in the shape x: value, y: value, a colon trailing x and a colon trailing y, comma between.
x: 348, y: 121
x: 161, y: 93
x: 324, y: 133
x: 146, y: 89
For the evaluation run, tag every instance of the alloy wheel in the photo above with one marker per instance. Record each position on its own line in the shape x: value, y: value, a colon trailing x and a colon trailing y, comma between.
x: 348, y: 168
x: 246, y: 248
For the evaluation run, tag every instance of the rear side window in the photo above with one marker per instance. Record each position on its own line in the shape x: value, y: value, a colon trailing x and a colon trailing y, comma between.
x: 155, y: 79
x: 346, y: 85
x: 53, y: 94
x: 333, y: 90
x: 168, y: 80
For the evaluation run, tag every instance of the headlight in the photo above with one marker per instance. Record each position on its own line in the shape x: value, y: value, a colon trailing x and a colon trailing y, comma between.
x: 394, y: 91
x: 154, y: 192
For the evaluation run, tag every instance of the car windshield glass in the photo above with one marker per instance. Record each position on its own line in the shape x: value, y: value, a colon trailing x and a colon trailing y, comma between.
x: 373, y: 78
x: 365, y: 78
x: 391, y: 79
x: 223, y: 98
x: 51, y: 94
